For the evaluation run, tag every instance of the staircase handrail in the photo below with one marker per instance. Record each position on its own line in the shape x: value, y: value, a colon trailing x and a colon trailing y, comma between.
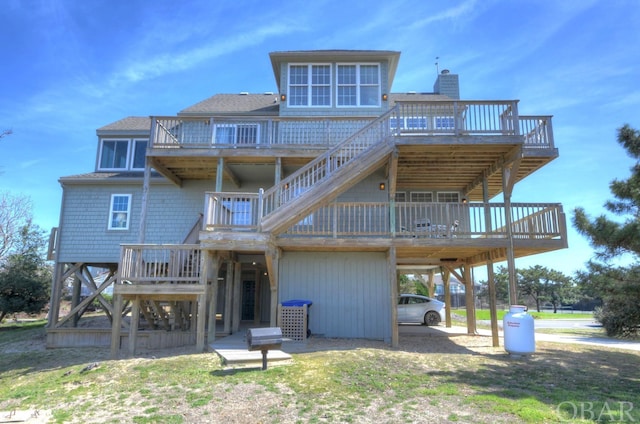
x: 319, y: 169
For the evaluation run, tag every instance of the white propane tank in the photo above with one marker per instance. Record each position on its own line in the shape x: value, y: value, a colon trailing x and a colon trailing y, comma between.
x: 519, y: 335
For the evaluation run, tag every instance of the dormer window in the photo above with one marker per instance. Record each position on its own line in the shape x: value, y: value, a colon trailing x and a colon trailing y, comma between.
x: 309, y: 85
x: 358, y: 85
x: 121, y: 154
x: 113, y: 154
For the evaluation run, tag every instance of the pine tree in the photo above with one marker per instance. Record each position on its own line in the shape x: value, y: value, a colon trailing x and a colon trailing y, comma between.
x: 618, y: 287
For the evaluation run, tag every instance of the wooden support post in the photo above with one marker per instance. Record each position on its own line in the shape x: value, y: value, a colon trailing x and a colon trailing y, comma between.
x: 228, y: 293
x: 219, y: 174
x: 146, y: 183
x: 493, y: 304
x: 447, y: 296
x: 75, y: 298
x: 56, y: 295
x: 200, y: 324
x: 509, y: 175
x: 133, y: 329
x: 200, y: 312
x: 431, y: 282
x: 490, y: 275
x: 272, y: 256
x: 237, y: 295
x: 256, y: 297
x: 212, y: 296
x: 469, y: 300
x: 116, y: 325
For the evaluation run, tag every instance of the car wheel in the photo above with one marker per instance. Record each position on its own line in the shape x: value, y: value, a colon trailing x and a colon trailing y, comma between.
x: 431, y: 318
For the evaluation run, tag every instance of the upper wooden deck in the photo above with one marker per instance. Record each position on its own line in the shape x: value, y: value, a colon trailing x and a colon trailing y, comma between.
x: 444, y: 145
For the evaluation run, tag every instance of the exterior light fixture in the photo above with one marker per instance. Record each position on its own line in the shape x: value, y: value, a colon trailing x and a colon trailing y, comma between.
x: 385, y: 97
x: 283, y: 97
x: 382, y: 186
x: 464, y: 200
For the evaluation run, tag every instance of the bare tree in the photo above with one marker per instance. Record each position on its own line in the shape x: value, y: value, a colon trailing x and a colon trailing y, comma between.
x: 5, y: 133
x: 15, y: 215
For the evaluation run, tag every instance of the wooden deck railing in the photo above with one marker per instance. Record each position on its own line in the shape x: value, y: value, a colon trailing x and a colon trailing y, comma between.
x: 240, y: 212
x: 232, y: 211
x: 537, y: 131
x: 180, y: 264
x: 456, y: 117
x: 162, y: 263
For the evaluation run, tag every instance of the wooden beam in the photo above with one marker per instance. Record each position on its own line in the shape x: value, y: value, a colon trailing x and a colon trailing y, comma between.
x: 512, y: 156
x: 160, y: 291
x: 166, y: 172
x: 86, y: 301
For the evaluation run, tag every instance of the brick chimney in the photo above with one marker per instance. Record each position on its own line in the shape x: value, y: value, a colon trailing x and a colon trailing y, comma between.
x: 447, y: 84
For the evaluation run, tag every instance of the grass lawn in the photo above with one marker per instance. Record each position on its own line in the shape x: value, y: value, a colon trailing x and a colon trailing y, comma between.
x: 484, y: 314
x: 438, y: 379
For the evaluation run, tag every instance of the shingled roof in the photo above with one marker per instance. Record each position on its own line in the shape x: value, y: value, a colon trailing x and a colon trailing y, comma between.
x: 243, y: 103
x: 128, y: 124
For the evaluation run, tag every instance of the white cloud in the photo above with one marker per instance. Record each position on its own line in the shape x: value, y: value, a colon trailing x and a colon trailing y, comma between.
x: 458, y: 12
x: 177, y: 61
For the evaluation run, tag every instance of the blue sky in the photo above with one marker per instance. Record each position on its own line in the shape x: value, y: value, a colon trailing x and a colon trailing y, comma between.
x: 70, y: 67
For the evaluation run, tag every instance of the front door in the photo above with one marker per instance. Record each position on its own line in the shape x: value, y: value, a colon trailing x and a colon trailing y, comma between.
x: 248, y: 300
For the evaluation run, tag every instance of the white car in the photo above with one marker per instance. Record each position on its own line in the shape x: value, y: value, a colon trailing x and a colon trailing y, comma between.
x: 419, y: 309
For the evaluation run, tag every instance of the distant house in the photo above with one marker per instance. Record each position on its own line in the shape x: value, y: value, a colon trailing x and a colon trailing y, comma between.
x: 324, y: 189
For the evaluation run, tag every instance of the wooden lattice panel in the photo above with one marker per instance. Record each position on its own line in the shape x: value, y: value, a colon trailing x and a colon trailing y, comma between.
x: 292, y: 321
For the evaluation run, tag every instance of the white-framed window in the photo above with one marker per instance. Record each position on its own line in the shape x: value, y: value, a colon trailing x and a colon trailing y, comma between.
x: 444, y: 122
x: 239, y: 210
x: 358, y: 85
x: 421, y: 196
x: 113, y: 154
x: 237, y: 134
x: 119, y: 212
x: 401, y: 196
x: 448, y: 197
x: 122, y: 154
x: 138, y: 153
x: 309, y: 85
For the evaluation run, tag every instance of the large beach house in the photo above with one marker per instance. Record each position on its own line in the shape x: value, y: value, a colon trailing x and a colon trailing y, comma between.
x: 325, y: 190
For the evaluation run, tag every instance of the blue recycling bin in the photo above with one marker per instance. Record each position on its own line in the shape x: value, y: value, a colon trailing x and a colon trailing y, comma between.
x: 297, y: 302
x: 300, y: 303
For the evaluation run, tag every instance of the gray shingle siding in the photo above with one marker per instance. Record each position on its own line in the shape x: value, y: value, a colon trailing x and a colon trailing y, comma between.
x: 84, y: 236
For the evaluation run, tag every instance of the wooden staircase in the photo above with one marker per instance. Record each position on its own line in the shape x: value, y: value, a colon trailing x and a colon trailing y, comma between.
x: 326, y: 177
